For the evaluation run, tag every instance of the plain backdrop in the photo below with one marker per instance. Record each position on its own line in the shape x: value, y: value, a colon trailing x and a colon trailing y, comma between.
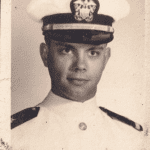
x: 122, y: 86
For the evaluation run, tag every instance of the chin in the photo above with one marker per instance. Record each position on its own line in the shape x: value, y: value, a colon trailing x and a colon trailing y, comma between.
x: 81, y: 94
x: 75, y: 93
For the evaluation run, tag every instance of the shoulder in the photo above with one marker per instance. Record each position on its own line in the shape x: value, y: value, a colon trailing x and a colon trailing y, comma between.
x: 123, y: 130
x: 24, y: 116
x: 122, y: 119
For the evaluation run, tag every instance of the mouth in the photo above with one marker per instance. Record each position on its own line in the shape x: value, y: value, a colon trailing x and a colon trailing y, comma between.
x: 77, y: 81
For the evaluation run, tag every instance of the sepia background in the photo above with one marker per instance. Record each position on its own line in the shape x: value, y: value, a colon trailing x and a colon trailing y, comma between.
x: 122, y: 85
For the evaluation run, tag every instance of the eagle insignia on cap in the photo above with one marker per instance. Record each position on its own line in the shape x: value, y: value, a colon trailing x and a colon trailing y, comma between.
x: 84, y: 9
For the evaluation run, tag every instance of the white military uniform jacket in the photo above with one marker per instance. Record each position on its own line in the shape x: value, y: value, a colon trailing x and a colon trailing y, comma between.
x: 61, y: 124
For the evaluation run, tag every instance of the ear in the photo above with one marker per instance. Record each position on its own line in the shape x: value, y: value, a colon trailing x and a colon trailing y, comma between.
x: 107, y: 55
x: 44, y: 50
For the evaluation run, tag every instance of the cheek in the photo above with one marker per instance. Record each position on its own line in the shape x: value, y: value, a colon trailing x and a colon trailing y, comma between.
x: 59, y: 67
x: 96, y: 70
x: 62, y: 64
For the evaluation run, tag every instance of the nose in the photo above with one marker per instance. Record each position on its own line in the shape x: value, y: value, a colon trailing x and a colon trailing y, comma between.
x: 80, y: 62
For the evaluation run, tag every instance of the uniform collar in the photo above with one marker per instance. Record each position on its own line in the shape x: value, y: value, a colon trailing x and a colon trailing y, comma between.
x: 68, y: 108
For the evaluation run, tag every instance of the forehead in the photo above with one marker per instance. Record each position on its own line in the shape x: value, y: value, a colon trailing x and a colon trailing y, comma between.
x: 76, y: 45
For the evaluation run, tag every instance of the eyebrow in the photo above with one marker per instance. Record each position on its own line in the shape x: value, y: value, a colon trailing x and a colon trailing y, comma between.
x: 64, y: 44
x: 97, y: 47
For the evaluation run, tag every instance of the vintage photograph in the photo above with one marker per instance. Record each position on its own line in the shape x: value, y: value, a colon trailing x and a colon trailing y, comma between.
x: 77, y: 75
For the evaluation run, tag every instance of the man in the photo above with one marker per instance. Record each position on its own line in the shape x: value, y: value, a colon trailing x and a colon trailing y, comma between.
x: 75, y: 52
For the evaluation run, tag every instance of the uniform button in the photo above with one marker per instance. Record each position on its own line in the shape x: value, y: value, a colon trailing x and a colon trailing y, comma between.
x: 82, y: 126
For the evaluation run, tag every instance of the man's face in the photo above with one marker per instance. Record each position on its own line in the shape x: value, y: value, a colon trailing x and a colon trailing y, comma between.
x: 76, y: 69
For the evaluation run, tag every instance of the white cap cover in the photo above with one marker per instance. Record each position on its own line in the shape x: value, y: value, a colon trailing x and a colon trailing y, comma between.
x: 37, y: 9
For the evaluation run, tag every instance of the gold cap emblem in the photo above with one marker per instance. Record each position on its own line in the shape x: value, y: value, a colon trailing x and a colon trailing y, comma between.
x: 84, y: 9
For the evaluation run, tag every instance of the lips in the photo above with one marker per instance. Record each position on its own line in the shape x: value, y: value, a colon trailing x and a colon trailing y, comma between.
x: 78, y: 81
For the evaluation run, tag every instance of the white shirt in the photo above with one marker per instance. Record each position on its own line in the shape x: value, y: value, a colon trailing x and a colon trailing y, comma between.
x: 57, y: 128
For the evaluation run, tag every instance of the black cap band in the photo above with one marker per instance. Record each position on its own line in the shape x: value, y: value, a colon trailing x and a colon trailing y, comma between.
x: 90, y: 36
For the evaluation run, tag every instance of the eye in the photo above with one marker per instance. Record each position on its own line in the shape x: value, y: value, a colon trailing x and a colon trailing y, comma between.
x: 66, y: 51
x: 94, y: 53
